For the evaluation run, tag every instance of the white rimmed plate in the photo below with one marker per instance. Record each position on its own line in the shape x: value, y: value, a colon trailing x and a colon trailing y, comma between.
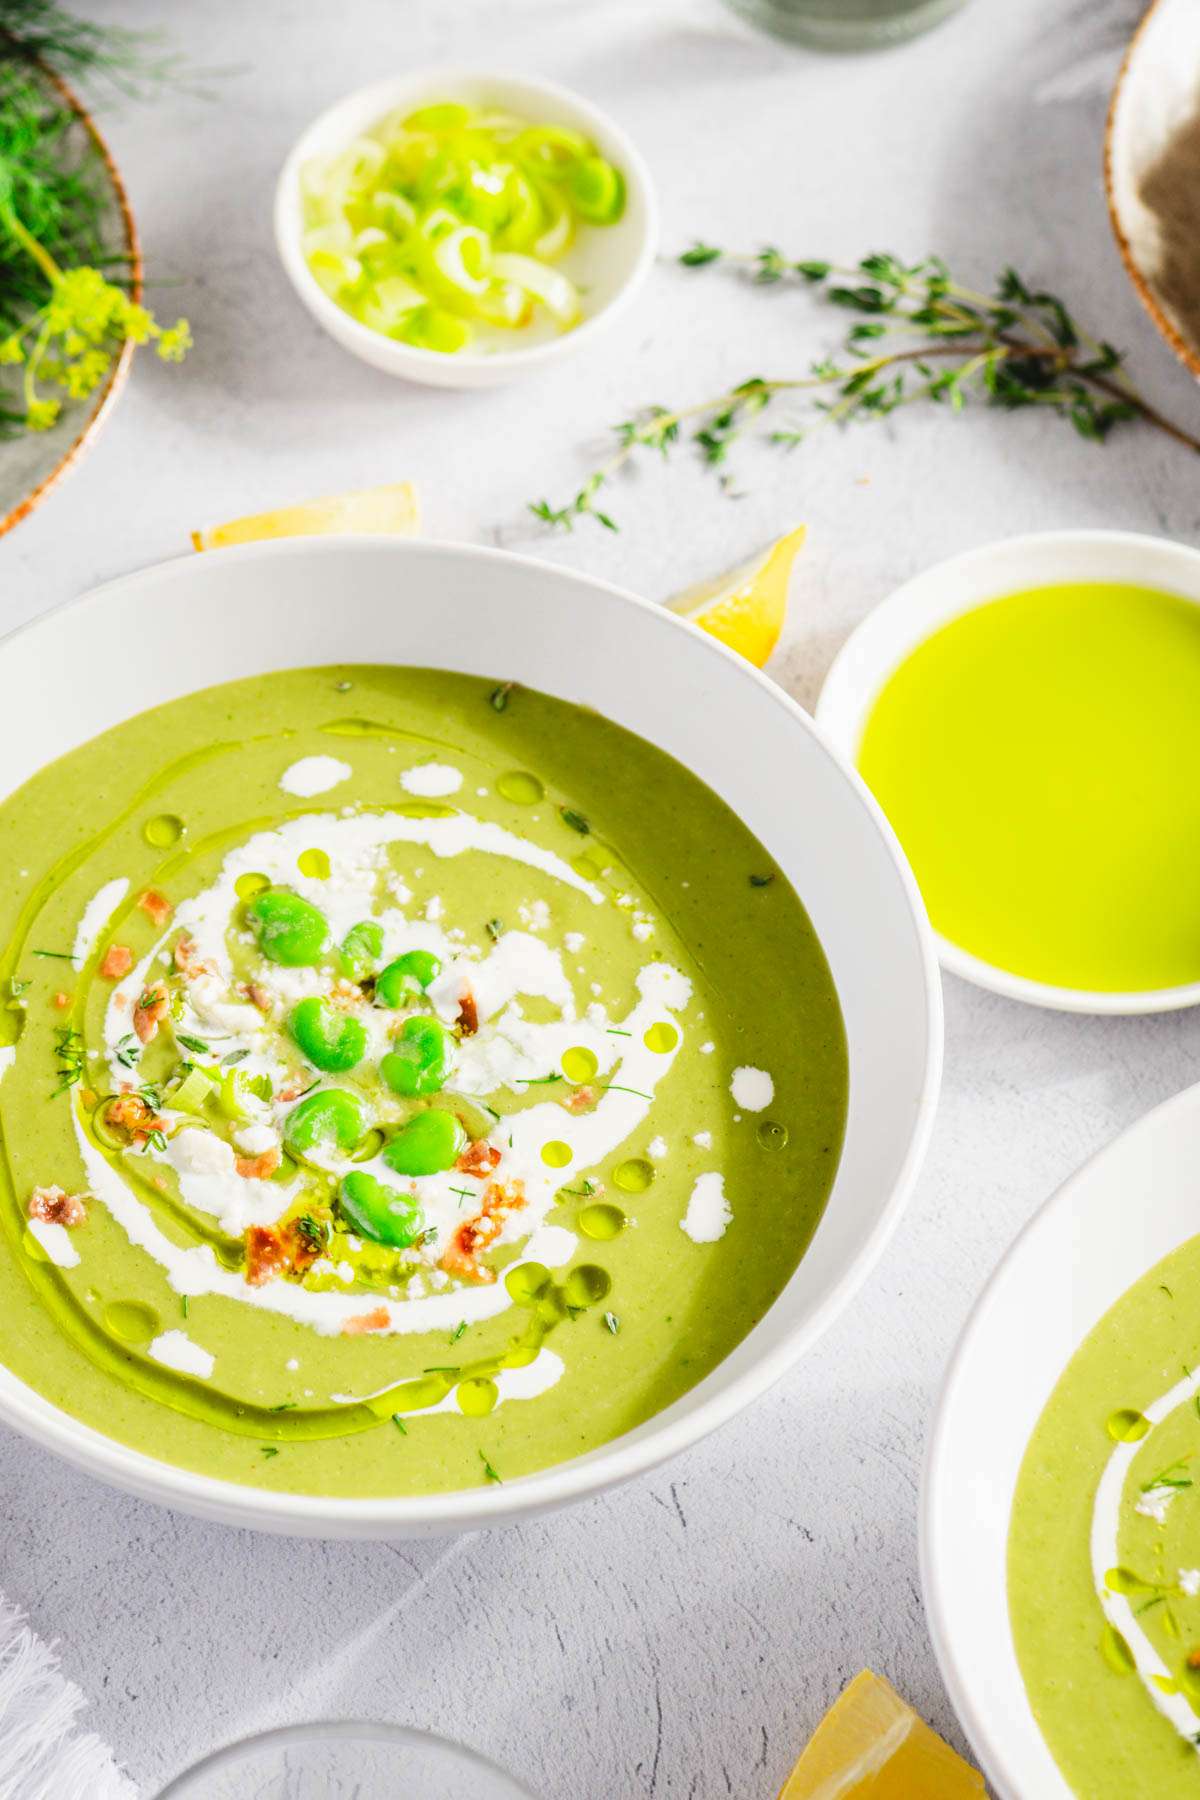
x: 319, y: 600
x: 1075, y: 1259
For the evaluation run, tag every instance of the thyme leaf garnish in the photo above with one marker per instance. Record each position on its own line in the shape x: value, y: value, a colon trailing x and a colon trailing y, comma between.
x: 918, y: 335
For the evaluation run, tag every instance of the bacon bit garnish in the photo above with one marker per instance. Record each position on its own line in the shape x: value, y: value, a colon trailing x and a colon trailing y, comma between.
x: 293, y: 1087
x: 62, y: 1001
x: 188, y: 962
x: 118, y: 960
x: 273, y: 1250
x: 580, y: 1099
x: 55, y: 1206
x: 468, y: 1014
x: 156, y: 906
x: 478, y: 1159
x: 259, y: 1168
x: 88, y: 1096
x: 476, y: 1235
x: 129, y: 1112
x: 258, y: 996
x: 152, y: 1007
x: 266, y: 1255
x: 1193, y: 1660
x: 378, y: 1320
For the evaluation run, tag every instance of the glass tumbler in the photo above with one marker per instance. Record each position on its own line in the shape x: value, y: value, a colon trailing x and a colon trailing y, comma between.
x: 846, y: 24
x: 345, y: 1759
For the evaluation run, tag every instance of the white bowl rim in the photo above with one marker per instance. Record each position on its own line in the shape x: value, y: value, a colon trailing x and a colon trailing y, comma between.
x: 843, y: 693
x: 619, y: 1460
x: 991, y: 1749
x: 600, y: 124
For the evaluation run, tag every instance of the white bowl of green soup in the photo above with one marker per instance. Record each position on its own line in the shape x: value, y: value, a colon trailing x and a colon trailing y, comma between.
x: 1028, y: 716
x: 1060, y: 1524
x: 467, y: 1035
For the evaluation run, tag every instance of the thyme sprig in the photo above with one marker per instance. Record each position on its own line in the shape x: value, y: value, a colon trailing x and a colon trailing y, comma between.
x: 918, y: 335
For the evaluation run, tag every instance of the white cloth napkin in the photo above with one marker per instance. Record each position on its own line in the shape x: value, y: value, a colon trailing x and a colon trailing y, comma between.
x: 43, y: 1753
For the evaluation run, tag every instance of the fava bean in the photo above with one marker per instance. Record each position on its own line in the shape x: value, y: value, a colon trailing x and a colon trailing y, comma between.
x: 331, y: 1040
x: 420, y: 1059
x: 407, y: 977
x: 290, y: 930
x: 380, y: 1212
x: 431, y: 1142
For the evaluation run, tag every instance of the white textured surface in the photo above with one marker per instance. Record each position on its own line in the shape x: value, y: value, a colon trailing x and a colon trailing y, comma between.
x: 680, y: 1637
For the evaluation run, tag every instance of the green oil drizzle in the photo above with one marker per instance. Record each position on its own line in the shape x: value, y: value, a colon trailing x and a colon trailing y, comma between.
x: 519, y: 786
x: 634, y: 1175
x: 601, y: 1221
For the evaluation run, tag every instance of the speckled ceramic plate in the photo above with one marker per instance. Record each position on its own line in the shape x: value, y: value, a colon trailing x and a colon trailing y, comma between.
x: 1153, y: 120
x: 34, y: 462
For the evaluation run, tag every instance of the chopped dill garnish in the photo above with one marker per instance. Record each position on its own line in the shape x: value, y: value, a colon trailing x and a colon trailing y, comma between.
x: 441, y: 1369
x: 612, y: 1322
x: 183, y: 1306
x: 56, y: 955
x: 398, y: 1422
x: 499, y: 696
x: 615, y: 1031
x: 316, y: 1233
x: 495, y: 928
x: 156, y: 1140
x: 269, y: 1449
x: 463, y: 1193
x: 616, y: 1088
x: 458, y: 1331
x: 574, y: 819
x: 539, y: 1080
x: 69, y: 1054
x: 284, y: 1406
x: 1175, y: 1475
x: 489, y: 1474
x: 761, y: 880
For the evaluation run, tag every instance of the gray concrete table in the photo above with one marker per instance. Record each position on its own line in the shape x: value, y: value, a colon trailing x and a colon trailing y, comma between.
x: 680, y: 1637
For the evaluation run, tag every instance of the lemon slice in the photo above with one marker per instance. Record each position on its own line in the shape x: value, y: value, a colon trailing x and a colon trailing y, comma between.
x: 746, y: 608
x: 393, y: 509
x: 871, y: 1746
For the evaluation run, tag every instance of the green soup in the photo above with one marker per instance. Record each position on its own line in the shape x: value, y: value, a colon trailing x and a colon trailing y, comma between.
x: 1104, y: 1549
x: 1038, y: 758
x: 407, y: 1082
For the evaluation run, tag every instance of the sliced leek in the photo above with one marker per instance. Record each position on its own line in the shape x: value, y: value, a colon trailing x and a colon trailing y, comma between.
x: 438, y: 222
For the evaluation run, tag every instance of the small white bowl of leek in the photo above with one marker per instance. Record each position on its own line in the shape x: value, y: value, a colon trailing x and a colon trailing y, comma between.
x: 459, y: 229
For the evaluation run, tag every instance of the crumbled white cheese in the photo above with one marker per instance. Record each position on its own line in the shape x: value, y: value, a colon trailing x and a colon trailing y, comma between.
x: 704, y: 1139
x: 1154, y: 1504
x: 657, y: 1147
x: 1189, y: 1582
x: 707, y: 1049
x: 574, y: 941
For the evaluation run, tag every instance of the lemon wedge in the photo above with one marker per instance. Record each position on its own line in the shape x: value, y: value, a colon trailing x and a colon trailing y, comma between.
x: 871, y: 1746
x: 746, y: 608
x: 393, y: 509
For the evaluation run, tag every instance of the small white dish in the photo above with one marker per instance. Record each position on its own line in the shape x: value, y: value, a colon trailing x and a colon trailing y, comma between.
x: 302, y: 602
x: 1075, y: 1259
x: 609, y: 263
x: 1157, y: 94
x: 894, y: 629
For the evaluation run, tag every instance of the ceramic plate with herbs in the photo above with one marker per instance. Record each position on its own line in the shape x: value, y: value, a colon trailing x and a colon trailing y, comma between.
x: 82, y: 214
